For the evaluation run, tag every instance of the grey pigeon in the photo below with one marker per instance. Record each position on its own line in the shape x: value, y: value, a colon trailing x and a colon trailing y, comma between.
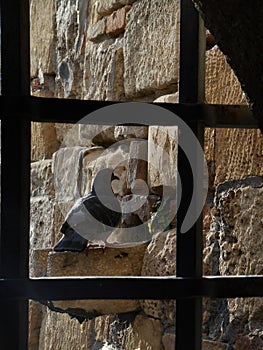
x: 93, y: 217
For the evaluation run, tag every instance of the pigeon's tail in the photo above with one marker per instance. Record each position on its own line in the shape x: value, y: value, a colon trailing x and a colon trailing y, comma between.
x: 71, y: 241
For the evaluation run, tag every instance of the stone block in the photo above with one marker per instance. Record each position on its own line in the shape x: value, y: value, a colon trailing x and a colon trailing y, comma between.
x: 116, y: 22
x: 151, y: 47
x: 106, y: 7
x: 98, y: 262
x: 149, y: 332
x: 162, y: 156
x: 159, y: 260
x: 239, y: 205
x: 42, y: 179
x: 97, y: 30
x: 238, y: 153
x: 43, y: 141
x: 67, y: 168
x: 104, y: 65
x: 35, y: 315
x: 221, y: 83
x: 42, y: 37
x: 122, y: 132
x: 170, y: 98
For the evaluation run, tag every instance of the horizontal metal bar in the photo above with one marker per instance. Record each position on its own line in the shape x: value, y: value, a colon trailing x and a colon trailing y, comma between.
x: 71, y: 111
x: 131, y: 287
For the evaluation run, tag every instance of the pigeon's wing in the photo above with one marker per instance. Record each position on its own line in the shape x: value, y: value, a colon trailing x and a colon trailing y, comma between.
x: 71, y: 241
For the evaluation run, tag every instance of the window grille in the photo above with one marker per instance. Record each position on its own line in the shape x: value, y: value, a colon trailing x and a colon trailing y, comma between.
x: 19, y: 109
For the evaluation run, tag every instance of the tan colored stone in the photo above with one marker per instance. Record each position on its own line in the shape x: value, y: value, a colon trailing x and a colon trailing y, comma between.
x: 122, y: 132
x: 35, y: 315
x: 106, y: 7
x: 97, y: 30
x: 168, y: 340
x: 222, y: 85
x: 241, y: 241
x: 103, y: 71
x: 162, y: 156
x: 238, y: 153
x: 42, y: 37
x: 159, y: 260
x: 60, y: 331
x: 116, y: 22
x: 149, y: 331
x: 170, y: 98
x: 151, y: 49
x: 42, y: 179
x: 39, y: 262
x: 98, y: 262
x: 67, y: 168
x: 43, y: 141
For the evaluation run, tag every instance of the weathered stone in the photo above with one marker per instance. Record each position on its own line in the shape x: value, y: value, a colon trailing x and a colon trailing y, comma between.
x: 106, y: 7
x: 137, y: 167
x: 102, y: 135
x: 42, y: 37
x: 98, y: 262
x: 245, y: 342
x: 116, y: 22
x: 39, y: 259
x: 97, y: 30
x: 122, y: 132
x: 43, y: 141
x: 213, y: 345
x: 151, y: 49
x: 240, y: 221
x: 162, y: 156
x: 149, y: 332
x: 237, y: 154
x: 67, y: 168
x: 41, y: 179
x: 168, y: 339
x: 60, y: 331
x: 35, y: 315
x: 170, y: 98
x: 159, y: 260
x: 221, y: 83
x: 103, y: 71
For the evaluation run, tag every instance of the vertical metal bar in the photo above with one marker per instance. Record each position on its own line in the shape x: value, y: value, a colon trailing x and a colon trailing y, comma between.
x: 189, y: 244
x: 192, y: 53
x: 15, y: 174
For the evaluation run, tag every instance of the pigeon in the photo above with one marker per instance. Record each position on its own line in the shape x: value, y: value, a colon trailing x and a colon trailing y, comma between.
x: 93, y: 217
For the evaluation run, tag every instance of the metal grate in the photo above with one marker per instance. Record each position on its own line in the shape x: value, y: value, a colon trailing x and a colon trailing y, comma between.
x: 18, y: 110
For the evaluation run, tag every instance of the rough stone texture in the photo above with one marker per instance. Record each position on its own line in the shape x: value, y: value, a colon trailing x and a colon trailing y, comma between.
x: 116, y: 22
x: 67, y: 167
x: 159, y: 260
x: 234, y: 34
x: 98, y: 262
x: 106, y: 7
x: 103, y: 76
x: 122, y: 132
x: 42, y: 37
x: 162, y: 156
x: 149, y: 331
x: 221, y: 84
x: 169, y: 98
x: 237, y: 154
x: 59, y: 331
x: 43, y: 141
x: 41, y: 179
x: 97, y: 30
x: 238, y: 219
x: 35, y: 315
x: 151, y: 47
x: 213, y: 345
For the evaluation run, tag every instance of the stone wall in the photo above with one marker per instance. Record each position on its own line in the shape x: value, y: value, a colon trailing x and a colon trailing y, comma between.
x: 127, y: 50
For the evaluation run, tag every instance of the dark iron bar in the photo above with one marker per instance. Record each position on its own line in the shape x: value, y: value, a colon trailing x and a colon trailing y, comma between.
x: 189, y: 244
x: 61, y: 288
x: 71, y: 111
x: 15, y: 169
